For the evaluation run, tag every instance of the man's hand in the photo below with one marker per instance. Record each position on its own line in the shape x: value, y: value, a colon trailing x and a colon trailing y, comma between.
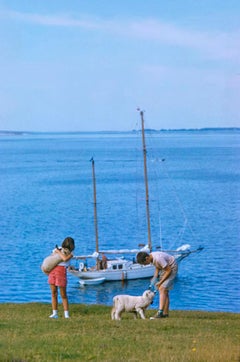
x: 152, y: 283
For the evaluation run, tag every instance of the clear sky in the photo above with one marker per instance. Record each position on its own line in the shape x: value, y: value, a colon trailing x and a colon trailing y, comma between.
x: 86, y: 65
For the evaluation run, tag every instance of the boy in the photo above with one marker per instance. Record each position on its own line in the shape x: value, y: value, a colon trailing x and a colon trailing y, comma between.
x: 166, y: 264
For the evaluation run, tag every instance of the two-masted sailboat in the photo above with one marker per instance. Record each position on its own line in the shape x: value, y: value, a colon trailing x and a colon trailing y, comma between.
x: 121, y: 267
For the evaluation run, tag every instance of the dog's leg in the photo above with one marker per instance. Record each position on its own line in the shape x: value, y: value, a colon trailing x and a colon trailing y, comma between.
x: 141, y: 313
x: 113, y: 312
x: 118, y: 315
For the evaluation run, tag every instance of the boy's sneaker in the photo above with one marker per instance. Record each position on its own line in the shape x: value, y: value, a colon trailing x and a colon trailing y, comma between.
x: 159, y: 314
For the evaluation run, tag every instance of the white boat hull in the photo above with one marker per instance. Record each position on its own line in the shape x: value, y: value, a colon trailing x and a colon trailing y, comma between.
x: 134, y: 271
x: 123, y: 269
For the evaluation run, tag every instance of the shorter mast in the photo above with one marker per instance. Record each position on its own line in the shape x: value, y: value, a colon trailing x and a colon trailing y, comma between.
x: 146, y: 182
x: 95, y: 203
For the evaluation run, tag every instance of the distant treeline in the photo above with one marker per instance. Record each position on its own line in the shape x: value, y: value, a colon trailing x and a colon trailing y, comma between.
x: 194, y: 129
x: 11, y: 133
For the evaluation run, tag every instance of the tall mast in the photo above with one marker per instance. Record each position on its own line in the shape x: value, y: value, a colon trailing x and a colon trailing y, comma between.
x: 146, y: 181
x: 95, y: 203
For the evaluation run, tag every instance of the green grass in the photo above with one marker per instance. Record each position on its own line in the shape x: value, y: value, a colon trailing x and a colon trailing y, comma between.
x: 27, y: 334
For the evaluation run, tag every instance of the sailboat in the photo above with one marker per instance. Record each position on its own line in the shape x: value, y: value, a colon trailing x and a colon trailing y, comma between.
x: 121, y: 267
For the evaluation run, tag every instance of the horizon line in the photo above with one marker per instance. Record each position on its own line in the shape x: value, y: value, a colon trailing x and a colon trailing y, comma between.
x: 129, y: 131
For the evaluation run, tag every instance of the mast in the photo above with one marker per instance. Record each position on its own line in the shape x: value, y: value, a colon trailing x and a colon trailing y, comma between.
x: 95, y: 203
x: 146, y: 181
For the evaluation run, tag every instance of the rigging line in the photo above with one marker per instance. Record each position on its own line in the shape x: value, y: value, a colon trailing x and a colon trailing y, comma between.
x: 137, y: 191
x: 178, y: 238
x: 159, y: 215
x: 160, y: 225
x: 158, y: 176
x: 186, y: 221
x: 181, y: 232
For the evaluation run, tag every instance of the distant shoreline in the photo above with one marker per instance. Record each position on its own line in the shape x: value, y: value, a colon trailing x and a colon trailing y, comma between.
x: 147, y: 130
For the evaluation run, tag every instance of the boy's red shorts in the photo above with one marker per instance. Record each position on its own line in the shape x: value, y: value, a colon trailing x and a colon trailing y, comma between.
x: 58, y: 276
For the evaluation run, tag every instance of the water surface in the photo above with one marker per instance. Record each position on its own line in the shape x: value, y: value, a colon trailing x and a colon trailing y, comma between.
x: 46, y: 195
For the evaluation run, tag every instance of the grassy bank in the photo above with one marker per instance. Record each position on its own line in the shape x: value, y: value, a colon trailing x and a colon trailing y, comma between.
x: 27, y: 334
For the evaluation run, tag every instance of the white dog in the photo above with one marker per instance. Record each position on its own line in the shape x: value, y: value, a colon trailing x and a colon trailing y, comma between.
x: 128, y: 303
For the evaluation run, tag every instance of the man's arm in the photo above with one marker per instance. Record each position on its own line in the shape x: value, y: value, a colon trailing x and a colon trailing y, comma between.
x: 155, y: 277
x: 166, y: 273
x: 156, y: 273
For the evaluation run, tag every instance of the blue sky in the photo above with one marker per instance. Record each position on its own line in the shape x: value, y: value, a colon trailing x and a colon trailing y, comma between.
x: 87, y: 65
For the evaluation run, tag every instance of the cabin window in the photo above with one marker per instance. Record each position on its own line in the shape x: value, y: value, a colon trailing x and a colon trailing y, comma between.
x: 114, y: 267
x: 120, y: 266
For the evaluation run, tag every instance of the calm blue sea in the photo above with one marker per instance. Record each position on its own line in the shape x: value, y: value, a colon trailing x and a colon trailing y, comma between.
x: 46, y: 195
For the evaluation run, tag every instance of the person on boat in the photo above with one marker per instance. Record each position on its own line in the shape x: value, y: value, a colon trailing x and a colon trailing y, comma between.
x: 104, y: 261
x: 58, y: 279
x: 102, y: 264
x: 166, y: 265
